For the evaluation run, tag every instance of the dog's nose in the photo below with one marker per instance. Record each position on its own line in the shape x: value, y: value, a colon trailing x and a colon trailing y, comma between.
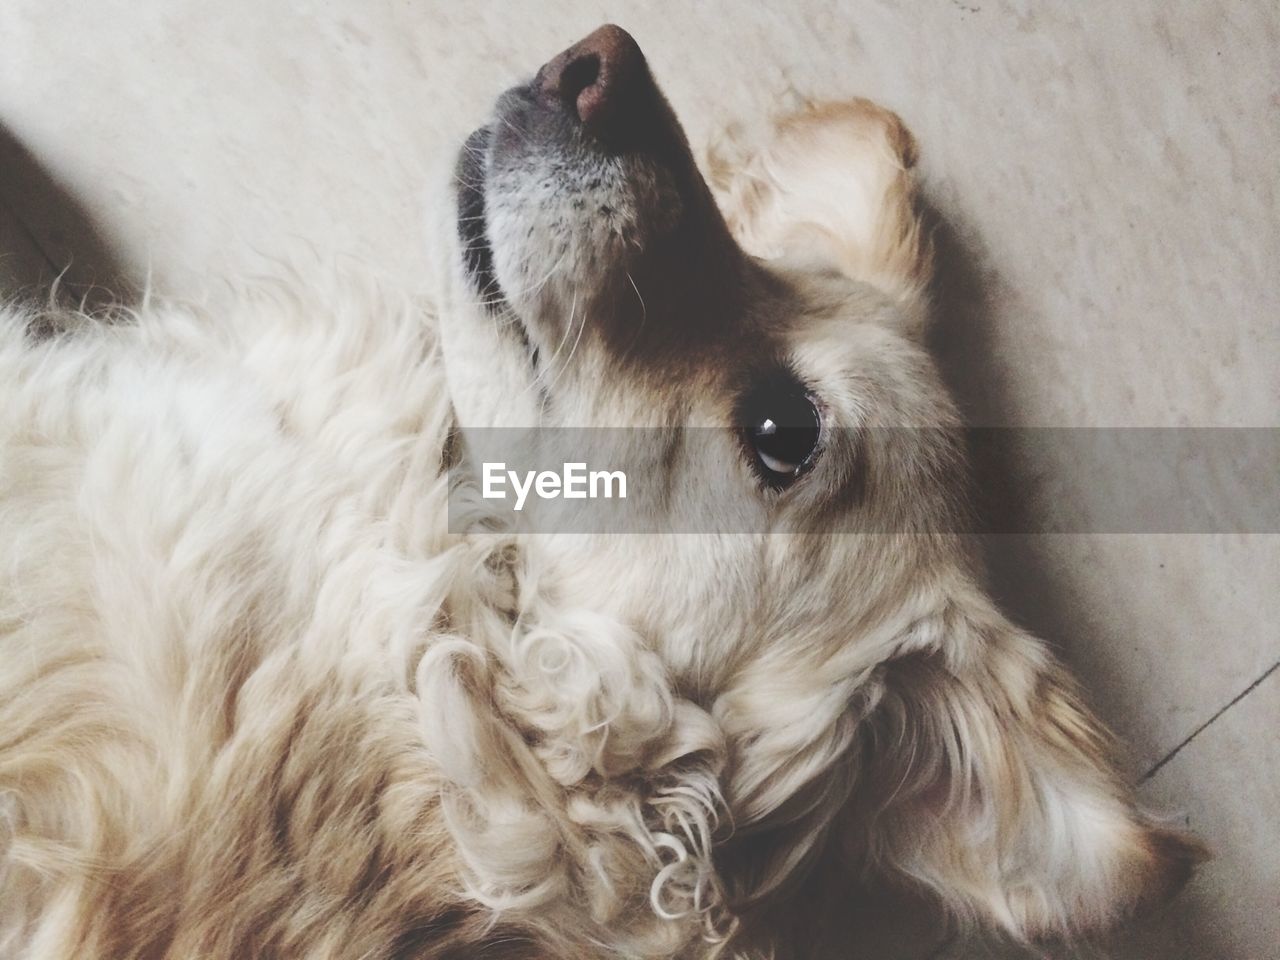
x: 597, y: 79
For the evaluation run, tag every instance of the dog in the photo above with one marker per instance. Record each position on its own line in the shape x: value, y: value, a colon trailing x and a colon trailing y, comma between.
x: 276, y: 682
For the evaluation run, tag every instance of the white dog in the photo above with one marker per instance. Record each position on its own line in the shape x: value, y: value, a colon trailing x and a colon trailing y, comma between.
x: 257, y: 700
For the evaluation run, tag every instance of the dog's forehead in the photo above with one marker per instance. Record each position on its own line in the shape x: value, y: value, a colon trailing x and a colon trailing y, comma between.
x: 835, y: 338
x: 826, y: 331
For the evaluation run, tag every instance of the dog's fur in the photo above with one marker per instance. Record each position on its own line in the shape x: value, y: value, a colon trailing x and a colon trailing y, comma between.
x: 257, y: 701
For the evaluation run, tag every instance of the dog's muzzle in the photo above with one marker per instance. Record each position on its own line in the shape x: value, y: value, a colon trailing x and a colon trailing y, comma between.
x: 582, y: 198
x: 592, y: 104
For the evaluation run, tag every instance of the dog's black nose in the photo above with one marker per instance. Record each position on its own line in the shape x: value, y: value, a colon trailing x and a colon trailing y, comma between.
x: 599, y: 79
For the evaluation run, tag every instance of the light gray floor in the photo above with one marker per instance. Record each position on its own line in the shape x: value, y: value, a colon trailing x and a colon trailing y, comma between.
x: 1106, y: 178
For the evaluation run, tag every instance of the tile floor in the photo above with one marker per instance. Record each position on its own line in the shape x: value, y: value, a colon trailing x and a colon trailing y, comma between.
x: 1106, y: 179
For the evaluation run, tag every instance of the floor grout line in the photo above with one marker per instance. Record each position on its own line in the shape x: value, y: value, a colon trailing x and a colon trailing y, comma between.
x: 1208, y: 723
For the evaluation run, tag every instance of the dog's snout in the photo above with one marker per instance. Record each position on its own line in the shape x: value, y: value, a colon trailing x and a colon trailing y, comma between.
x: 598, y: 79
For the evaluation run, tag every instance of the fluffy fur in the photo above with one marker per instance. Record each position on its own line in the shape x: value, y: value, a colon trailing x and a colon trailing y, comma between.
x: 257, y: 701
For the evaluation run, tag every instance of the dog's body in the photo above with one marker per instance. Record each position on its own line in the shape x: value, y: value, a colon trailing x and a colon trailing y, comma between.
x: 257, y: 701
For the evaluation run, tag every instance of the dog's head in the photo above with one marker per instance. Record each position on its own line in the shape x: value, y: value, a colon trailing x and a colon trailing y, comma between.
x: 603, y: 288
x: 601, y: 285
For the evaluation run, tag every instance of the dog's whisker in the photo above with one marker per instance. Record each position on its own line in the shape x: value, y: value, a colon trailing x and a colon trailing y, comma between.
x: 582, y: 325
x: 540, y: 376
x: 644, y: 314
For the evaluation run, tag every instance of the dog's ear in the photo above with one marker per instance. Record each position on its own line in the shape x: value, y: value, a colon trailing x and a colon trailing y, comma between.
x: 832, y: 186
x: 991, y: 784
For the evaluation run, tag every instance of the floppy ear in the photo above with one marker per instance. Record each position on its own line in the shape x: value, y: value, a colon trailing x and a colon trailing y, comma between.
x: 993, y: 786
x: 832, y: 185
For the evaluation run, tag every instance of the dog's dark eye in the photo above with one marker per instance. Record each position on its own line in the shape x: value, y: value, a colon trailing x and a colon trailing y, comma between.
x: 782, y: 427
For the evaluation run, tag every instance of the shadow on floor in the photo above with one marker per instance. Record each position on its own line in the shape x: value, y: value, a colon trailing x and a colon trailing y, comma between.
x: 49, y: 236
x: 963, y: 342
x: 966, y: 290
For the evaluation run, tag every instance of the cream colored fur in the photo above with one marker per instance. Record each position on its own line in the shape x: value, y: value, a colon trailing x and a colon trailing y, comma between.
x: 256, y: 701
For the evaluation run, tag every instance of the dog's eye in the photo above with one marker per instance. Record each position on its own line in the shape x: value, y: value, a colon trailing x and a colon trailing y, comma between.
x: 782, y: 426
